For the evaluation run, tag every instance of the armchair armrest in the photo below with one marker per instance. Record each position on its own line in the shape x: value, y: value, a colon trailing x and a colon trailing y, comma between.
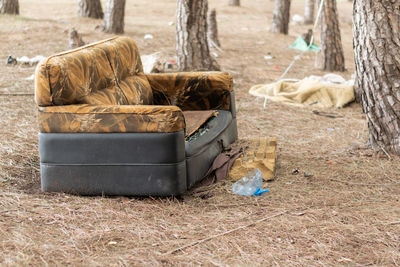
x: 86, y: 118
x: 192, y: 90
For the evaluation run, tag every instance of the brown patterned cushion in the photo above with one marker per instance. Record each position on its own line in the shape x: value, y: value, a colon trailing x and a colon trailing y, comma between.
x: 110, y: 119
x: 107, y: 72
x: 192, y: 90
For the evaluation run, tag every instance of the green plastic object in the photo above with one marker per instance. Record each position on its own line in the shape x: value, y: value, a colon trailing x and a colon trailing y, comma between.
x: 301, y: 45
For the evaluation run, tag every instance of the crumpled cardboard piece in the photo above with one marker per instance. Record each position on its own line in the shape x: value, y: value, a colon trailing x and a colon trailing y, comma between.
x: 259, y: 153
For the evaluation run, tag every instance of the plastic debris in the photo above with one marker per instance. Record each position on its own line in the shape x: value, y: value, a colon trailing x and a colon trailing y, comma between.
x: 268, y: 57
x: 171, y: 23
x: 148, y: 36
x: 297, y: 19
x: 24, y: 60
x: 308, y: 174
x: 11, y: 61
x: 250, y: 185
x: 30, y: 78
x: 301, y: 44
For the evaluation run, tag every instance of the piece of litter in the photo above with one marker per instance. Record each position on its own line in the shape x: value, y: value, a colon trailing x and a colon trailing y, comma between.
x: 11, y: 61
x: 171, y: 23
x: 308, y: 174
x: 267, y: 57
x: 30, y: 78
x: 297, y: 19
x: 215, y: 54
x: 148, y: 36
x: 112, y: 243
x: 295, y: 171
x: 330, y: 129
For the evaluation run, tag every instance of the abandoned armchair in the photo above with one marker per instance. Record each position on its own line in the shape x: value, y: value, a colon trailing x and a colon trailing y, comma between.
x: 108, y: 128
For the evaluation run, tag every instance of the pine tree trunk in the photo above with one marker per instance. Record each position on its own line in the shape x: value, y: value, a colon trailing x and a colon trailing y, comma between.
x: 192, y: 48
x: 9, y: 7
x: 114, y: 16
x: 309, y: 12
x: 90, y: 9
x: 212, y: 30
x: 234, y: 2
x: 376, y: 46
x: 280, y: 20
x: 331, y: 43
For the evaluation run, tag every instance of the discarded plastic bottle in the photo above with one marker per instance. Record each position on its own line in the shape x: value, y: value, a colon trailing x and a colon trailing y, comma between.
x: 250, y: 184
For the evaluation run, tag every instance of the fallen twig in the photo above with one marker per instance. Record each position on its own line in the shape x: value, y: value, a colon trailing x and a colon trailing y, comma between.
x: 222, y: 234
x: 384, y: 151
x: 16, y: 94
x: 350, y: 183
x: 329, y: 115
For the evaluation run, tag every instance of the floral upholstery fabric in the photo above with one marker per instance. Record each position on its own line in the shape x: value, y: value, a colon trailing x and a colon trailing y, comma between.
x: 192, y: 90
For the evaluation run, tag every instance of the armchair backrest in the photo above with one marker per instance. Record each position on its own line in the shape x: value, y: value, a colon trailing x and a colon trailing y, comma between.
x: 106, y: 72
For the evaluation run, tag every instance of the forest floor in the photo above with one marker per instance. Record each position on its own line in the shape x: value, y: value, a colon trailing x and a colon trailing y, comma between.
x: 347, y: 213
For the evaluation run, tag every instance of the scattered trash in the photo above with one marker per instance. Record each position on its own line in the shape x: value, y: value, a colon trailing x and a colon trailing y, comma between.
x: 168, y: 66
x: 295, y: 171
x: 329, y: 115
x: 305, y: 92
x: 11, y: 61
x: 250, y: 184
x: 297, y: 19
x: 30, y: 78
x: 215, y: 54
x: 75, y: 39
x: 330, y: 129
x: 331, y: 79
x: 308, y: 174
x: 112, y: 243
x: 302, y: 45
x: 148, y: 36
x: 276, y: 68
x: 157, y: 63
x: 268, y: 57
x: 259, y: 153
x: 171, y: 23
x: 24, y: 60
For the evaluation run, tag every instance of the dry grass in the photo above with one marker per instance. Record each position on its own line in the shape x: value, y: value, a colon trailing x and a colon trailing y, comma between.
x: 346, y: 214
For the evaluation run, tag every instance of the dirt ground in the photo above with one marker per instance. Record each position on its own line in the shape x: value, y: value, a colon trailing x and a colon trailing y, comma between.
x: 346, y: 214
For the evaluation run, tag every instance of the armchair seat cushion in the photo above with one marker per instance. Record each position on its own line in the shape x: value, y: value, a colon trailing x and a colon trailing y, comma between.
x: 110, y: 119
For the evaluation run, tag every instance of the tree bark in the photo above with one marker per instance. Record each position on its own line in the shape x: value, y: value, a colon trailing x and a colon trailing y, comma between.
x: 114, y: 16
x: 212, y: 30
x: 331, y: 43
x: 192, y: 48
x: 280, y: 20
x: 91, y: 9
x: 234, y: 2
x: 9, y: 7
x: 309, y: 12
x: 376, y: 45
